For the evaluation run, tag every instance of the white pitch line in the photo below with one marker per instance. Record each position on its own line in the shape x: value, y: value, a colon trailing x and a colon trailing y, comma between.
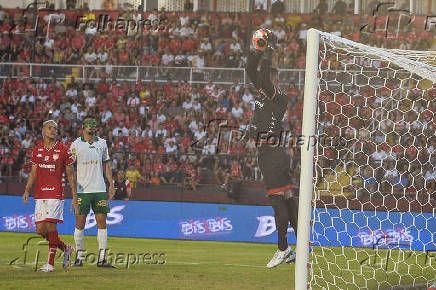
x: 184, y: 263
x: 167, y: 262
x: 235, y: 265
x: 243, y: 265
x: 29, y: 263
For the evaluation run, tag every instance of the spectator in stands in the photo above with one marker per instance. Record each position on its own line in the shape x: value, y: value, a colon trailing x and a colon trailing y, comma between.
x: 369, y: 180
x: 278, y: 6
x: 109, y: 5
x: 322, y: 7
x: 2, y: 15
x: 340, y: 8
x: 236, y: 170
x: 117, y: 102
x: 188, y: 5
x: 123, y: 187
x: 133, y: 175
x: 155, y: 179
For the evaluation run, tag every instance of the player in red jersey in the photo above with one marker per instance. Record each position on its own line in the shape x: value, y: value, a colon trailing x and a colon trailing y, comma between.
x: 49, y: 161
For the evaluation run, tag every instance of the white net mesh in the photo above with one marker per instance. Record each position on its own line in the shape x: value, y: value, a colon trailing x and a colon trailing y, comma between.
x: 374, y: 219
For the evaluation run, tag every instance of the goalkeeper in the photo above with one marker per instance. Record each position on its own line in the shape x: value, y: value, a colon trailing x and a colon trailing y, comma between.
x: 274, y: 163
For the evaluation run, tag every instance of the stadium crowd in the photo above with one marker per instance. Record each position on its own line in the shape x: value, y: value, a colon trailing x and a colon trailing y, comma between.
x: 169, y: 129
x: 177, y: 39
x: 162, y: 132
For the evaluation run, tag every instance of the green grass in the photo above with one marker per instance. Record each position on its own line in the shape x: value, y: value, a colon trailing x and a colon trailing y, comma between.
x: 363, y: 268
x: 209, y: 265
x: 189, y: 265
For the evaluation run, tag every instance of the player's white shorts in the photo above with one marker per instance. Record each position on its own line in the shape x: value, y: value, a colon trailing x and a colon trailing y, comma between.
x: 49, y: 210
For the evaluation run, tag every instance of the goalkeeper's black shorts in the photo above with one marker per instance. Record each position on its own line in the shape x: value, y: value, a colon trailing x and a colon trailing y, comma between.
x: 275, y: 166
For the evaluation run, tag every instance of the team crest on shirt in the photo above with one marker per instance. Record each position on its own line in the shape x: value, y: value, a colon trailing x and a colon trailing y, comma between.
x: 46, y: 158
x: 55, y: 157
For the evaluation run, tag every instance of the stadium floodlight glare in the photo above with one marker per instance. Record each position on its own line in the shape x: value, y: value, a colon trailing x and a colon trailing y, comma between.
x: 367, y: 208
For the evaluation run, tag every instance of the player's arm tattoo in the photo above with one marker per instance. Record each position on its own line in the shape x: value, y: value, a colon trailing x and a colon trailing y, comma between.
x: 31, y: 180
x: 71, y: 179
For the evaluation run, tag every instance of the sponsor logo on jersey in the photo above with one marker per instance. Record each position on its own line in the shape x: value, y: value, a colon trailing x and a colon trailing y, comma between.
x: 259, y: 104
x: 57, y: 150
x: 47, y: 188
x: 205, y: 226
x: 39, y: 155
x: 90, y: 162
x: 49, y: 166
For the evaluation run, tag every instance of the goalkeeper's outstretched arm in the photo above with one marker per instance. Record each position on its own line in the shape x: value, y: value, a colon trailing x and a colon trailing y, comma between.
x: 261, y: 78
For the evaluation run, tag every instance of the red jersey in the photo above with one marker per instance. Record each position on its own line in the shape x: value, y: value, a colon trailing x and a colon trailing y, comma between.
x: 236, y: 170
x: 50, y: 168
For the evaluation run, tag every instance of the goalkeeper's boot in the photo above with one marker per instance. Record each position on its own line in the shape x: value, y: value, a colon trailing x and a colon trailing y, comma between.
x: 279, y: 257
x: 68, y: 253
x: 46, y: 268
x: 104, y: 264
x: 77, y: 263
x: 291, y: 257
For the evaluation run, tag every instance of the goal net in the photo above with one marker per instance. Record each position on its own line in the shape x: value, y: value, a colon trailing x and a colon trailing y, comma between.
x: 367, y: 186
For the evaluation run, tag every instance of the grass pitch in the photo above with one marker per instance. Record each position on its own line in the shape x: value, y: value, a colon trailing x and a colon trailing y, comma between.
x: 189, y: 265
x: 205, y: 265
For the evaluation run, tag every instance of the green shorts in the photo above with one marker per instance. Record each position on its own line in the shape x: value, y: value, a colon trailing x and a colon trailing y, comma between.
x: 96, y: 200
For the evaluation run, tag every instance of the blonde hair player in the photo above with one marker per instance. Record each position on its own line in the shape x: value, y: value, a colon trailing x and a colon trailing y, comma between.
x: 50, y: 159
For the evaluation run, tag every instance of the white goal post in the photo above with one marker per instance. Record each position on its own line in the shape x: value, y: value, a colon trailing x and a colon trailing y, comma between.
x: 367, y: 217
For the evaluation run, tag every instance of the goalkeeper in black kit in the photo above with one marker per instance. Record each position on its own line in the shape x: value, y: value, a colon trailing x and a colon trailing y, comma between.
x: 271, y: 105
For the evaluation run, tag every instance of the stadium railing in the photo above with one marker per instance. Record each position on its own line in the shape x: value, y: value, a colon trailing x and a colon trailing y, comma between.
x: 219, y: 75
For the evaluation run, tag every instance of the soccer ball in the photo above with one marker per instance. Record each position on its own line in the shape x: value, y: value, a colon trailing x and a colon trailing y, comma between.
x: 259, y: 39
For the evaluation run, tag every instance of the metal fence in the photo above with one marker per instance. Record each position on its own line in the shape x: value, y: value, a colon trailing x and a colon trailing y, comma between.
x: 218, y: 75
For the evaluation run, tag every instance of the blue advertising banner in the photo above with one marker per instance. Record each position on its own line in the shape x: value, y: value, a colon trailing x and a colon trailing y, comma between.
x: 150, y: 219
x: 220, y: 222
x: 375, y: 229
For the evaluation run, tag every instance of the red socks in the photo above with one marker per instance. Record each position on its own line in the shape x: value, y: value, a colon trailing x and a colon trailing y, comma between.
x: 53, y: 243
x: 51, y: 254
